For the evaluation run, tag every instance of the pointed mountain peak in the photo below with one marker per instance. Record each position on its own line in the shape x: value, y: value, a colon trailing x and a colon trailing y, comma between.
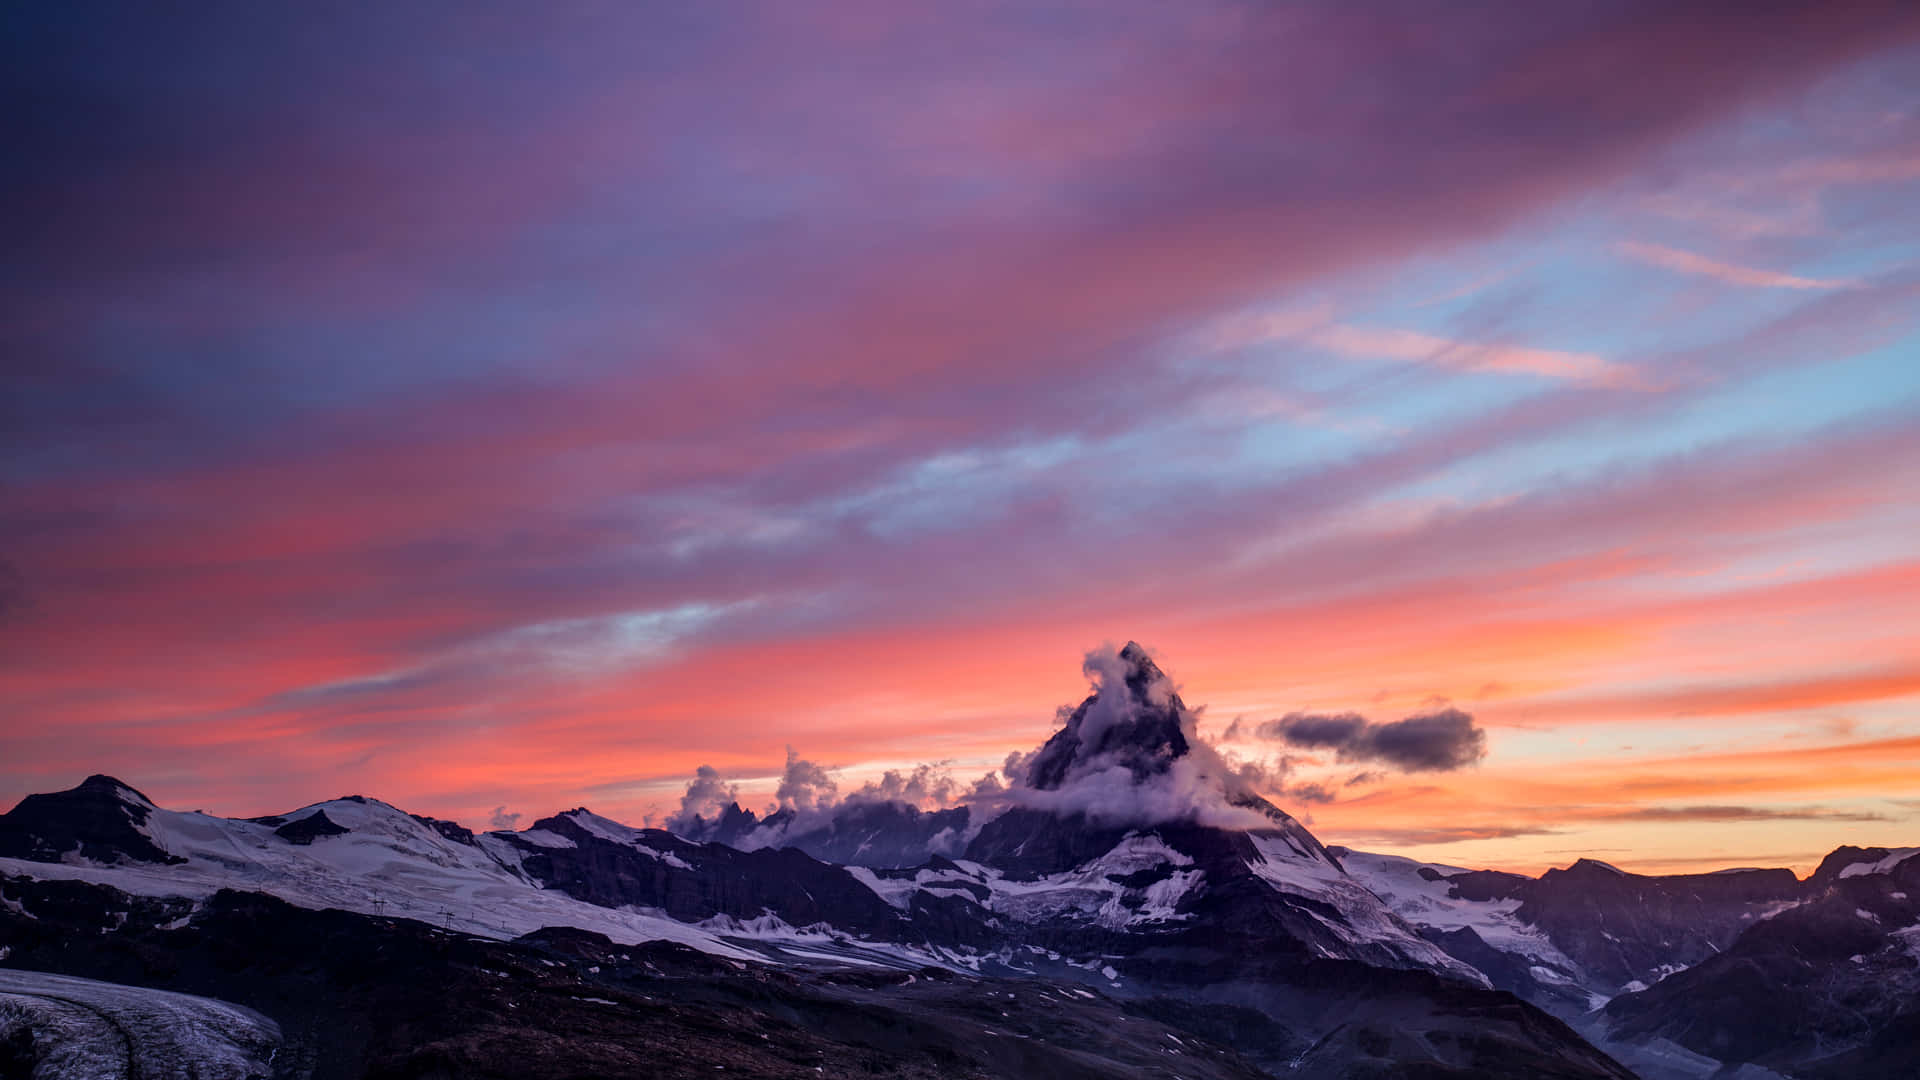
x: 1133, y: 719
x: 1141, y: 672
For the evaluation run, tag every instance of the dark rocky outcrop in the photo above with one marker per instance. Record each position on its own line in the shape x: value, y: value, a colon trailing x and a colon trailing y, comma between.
x: 1146, y: 738
x: 99, y: 820
x: 452, y: 830
x: 1620, y: 927
x: 881, y: 834
x: 1823, y: 989
x: 1842, y: 857
x: 306, y: 830
x: 709, y: 880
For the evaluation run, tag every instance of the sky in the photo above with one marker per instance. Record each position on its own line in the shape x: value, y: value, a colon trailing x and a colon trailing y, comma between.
x: 496, y: 411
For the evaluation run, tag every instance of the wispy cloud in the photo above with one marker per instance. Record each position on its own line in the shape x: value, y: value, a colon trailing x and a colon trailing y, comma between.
x: 1441, y: 834
x: 1313, y: 327
x: 1743, y: 813
x: 1687, y: 262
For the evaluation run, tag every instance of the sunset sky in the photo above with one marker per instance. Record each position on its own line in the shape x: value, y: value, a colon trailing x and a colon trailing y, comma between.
x: 500, y: 408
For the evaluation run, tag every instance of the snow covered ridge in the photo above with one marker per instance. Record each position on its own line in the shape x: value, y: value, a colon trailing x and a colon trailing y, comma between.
x: 583, y: 870
x: 1036, y: 895
x: 383, y: 861
x: 1883, y: 865
x: 79, y: 1027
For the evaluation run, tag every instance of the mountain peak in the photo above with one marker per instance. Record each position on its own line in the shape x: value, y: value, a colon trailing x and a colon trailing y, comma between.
x: 1133, y: 718
x: 101, y: 819
x: 101, y: 782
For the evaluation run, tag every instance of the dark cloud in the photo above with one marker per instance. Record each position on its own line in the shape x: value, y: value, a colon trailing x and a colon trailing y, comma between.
x: 1443, y: 834
x: 1438, y: 741
x: 500, y: 819
x: 1310, y: 793
x: 1316, y: 731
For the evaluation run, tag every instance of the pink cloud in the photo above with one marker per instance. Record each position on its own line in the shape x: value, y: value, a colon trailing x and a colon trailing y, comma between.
x: 1315, y: 327
x: 1688, y: 262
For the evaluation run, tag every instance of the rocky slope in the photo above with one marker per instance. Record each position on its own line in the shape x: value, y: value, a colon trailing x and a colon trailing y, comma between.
x: 1829, y: 988
x: 353, y: 996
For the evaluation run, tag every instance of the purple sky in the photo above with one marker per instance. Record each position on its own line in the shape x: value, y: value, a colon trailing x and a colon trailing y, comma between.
x: 481, y: 407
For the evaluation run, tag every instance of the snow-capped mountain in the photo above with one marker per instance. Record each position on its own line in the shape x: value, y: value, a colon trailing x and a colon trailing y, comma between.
x: 1126, y: 868
x: 1693, y: 974
x: 1828, y: 988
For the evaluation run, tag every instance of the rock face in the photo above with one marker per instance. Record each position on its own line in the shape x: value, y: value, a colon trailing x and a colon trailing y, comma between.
x: 1829, y: 988
x: 1622, y: 927
x: 1575, y: 936
x: 605, y: 863
x: 310, y: 828
x: 884, y: 834
x: 1814, y: 978
x: 1138, y: 725
x: 872, y: 833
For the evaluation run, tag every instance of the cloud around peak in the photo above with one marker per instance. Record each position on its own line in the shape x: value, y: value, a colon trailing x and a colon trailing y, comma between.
x: 1129, y: 754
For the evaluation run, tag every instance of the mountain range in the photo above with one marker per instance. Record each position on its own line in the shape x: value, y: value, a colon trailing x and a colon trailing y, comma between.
x: 1128, y: 908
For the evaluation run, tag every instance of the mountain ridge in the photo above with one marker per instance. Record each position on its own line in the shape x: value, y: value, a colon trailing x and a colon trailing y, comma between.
x: 1125, y: 857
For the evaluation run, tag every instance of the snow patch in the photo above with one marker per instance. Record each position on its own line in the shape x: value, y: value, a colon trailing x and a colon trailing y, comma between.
x: 543, y: 838
x: 1908, y: 939
x: 1894, y: 858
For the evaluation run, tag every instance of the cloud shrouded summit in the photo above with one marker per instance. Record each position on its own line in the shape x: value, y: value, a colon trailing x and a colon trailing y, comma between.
x: 1130, y: 754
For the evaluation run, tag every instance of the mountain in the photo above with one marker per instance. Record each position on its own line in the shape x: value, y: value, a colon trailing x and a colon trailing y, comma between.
x: 1828, y: 988
x: 1693, y: 974
x: 1143, y: 907
x: 1179, y: 940
x: 101, y: 820
x: 107, y: 985
x: 1138, y: 723
x: 860, y: 832
x: 1129, y: 894
x: 1597, y: 930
